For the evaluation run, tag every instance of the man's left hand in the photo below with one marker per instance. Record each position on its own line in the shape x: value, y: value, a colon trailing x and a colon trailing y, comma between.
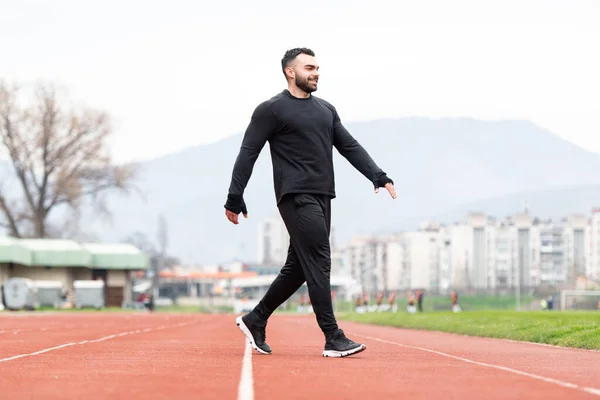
x: 390, y: 188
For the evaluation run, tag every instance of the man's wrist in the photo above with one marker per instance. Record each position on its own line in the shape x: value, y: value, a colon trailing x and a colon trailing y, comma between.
x: 234, y: 203
x: 382, y: 180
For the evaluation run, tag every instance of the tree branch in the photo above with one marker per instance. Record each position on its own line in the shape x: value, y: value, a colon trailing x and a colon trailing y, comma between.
x: 12, y: 221
x: 59, y: 156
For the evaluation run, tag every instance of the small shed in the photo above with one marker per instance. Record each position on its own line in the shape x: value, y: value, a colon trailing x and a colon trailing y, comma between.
x: 115, y: 260
x: 89, y: 294
x: 20, y: 294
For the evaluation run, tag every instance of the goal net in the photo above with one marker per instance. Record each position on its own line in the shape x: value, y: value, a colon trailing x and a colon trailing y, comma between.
x: 580, y: 300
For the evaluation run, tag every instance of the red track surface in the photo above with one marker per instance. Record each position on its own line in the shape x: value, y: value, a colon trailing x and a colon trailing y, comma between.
x: 133, y: 356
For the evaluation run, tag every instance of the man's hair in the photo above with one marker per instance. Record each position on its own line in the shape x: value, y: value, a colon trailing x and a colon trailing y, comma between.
x: 292, y: 54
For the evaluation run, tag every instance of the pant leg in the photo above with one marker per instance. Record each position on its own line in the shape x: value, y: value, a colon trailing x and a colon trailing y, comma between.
x: 287, y: 282
x: 308, y: 218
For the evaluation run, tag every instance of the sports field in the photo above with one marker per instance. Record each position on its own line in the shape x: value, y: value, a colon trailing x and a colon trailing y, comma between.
x: 101, y: 355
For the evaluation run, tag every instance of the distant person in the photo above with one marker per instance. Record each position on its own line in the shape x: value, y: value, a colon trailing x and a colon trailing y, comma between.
x: 302, y: 302
x: 454, y: 299
x: 420, y: 300
x: 302, y: 131
x: 392, y: 301
x: 149, y: 302
x: 411, y: 303
x: 358, y: 302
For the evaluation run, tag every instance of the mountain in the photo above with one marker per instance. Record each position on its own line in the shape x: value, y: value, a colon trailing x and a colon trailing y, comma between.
x: 438, y: 165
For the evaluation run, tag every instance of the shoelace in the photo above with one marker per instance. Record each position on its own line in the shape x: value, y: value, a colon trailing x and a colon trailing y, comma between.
x: 341, y: 337
x: 262, y: 334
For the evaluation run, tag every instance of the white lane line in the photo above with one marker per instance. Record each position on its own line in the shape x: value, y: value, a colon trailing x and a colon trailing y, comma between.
x: 246, y: 386
x: 593, y: 391
x: 514, y: 371
x: 102, y: 339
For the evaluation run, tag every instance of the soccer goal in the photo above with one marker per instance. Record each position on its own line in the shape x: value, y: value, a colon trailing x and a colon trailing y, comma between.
x: 579, y: 299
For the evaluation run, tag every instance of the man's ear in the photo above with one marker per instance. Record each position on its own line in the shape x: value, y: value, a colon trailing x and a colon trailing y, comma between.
x: 290, y: 73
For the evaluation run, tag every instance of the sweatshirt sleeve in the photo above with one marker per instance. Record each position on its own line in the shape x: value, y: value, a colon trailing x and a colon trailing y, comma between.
x: 261, y: 127
x: 356, y: 154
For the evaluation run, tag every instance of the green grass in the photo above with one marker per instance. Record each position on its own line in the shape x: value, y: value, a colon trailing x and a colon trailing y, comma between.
x: 578, y: 329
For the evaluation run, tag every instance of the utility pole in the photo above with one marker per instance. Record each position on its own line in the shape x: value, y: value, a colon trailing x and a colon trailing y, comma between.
x: 518, y: 279
x: 162, y: 239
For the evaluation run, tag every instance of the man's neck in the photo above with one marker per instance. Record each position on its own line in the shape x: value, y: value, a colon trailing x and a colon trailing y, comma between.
x: 297, y: 92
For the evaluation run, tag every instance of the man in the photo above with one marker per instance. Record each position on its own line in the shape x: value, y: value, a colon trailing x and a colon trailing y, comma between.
x: 301, y: 130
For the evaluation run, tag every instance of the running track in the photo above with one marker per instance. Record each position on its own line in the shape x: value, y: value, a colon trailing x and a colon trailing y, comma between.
x: 182, y: 356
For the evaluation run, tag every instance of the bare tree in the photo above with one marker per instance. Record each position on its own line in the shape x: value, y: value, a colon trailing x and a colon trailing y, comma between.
x: 159, y: 258
x: 59, y: 156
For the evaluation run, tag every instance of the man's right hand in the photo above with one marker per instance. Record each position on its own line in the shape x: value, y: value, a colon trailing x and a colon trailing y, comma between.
x: 233, y: 217
x: 234, y: 206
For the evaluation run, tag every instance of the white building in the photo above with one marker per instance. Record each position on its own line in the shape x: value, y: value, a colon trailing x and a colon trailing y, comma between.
x: 479, y: 253
x: 469, y: 253
x: 359, y: 258
x: 574, y: 237
x: 593, y: 265
x: 338, y: 267
x: 491, y: 254
x: 501, y: 254
x: 429, y: 257
x: 398, y: 268
x: 273, y: 241
x: 376, y: 263
x: 410, y: 260
x: 552, y: 268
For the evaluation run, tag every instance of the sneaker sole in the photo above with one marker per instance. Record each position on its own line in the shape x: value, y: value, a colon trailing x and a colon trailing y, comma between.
x: 338, y: 354
x: 248, y: 335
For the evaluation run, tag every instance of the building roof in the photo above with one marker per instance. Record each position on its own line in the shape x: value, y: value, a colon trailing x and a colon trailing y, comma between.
x: 116, y: 256
x: 11, y: 251
x: 57, y: 253
x: 68, y: 253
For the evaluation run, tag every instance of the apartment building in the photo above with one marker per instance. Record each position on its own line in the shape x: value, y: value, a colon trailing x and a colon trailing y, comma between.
x: 552, y: 265
x: 273, y: 241
x: 470, y: 255
x: 428, y: 257
x: 480, y: 252
x: 593, y: 264
x: 377, y: 263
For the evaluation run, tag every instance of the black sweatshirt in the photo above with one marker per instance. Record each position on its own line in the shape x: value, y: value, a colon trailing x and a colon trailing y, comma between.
x: 301, y: 133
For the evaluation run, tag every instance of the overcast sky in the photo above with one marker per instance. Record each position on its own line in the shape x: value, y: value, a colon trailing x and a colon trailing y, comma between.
x: 192, y: 72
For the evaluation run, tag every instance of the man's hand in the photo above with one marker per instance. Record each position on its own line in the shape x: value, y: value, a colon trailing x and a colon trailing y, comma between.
x: 234, y: 206
x: 390, y: 188
x: 233, y: 217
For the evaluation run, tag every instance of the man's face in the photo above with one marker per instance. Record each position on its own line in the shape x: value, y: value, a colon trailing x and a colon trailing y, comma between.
x: 305, y: 72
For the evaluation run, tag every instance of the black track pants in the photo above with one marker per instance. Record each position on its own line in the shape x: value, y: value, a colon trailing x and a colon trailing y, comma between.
x: 308, y: 221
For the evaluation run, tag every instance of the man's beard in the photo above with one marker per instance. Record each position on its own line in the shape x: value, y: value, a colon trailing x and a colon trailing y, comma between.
x: 303, y: 84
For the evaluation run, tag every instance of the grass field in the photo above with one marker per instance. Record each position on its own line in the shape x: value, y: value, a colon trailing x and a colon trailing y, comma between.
x: 576, y: 329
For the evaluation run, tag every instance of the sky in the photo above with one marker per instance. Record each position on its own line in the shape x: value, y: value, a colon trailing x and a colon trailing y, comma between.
x: 184, y: 73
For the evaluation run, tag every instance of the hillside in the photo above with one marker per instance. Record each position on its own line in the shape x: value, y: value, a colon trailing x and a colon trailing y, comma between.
x: 438, y: 165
